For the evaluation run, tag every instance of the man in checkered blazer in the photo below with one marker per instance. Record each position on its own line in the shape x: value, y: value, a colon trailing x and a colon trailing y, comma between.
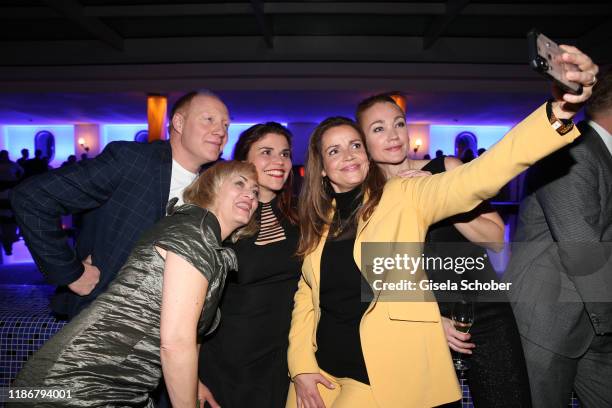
x: 124, y: 191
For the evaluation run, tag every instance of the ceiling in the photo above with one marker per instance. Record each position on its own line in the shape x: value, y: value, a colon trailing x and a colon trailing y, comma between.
x: 458, y: 61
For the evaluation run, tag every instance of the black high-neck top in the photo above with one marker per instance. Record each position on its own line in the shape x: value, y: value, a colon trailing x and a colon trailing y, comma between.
x: 342, y: 290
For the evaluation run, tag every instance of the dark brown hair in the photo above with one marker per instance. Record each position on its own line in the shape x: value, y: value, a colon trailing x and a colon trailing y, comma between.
x: 601, y: 100
x: 241, y: 151
x: 315, y: 203
x: 204, y: 190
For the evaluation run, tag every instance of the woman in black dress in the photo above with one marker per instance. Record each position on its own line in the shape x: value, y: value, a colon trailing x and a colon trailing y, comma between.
x: 112, y: 354
x: 244, y: 363
x: 498, y: 375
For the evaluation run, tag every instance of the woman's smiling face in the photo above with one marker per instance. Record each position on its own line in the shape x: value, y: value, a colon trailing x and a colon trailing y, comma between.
x: 345, y: 161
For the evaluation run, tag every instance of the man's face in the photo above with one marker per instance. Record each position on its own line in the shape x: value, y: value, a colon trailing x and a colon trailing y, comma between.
x: 204, y: 128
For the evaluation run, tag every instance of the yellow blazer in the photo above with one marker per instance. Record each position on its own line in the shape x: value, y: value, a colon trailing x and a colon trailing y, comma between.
x: 404, y: 346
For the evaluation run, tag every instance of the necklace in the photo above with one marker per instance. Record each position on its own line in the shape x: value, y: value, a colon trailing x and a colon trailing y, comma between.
x: 338, y: 226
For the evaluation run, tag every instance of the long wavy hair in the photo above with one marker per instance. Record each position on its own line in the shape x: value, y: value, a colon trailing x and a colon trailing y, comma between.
x: 250, y: 136
x: 315, y: 208
x: 204, y: 190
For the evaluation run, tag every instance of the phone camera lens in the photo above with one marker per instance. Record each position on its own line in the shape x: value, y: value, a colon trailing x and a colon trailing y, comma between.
x: 542, y: 64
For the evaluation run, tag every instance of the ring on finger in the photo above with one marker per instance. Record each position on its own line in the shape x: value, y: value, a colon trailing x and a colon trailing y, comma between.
x: 593, y: 82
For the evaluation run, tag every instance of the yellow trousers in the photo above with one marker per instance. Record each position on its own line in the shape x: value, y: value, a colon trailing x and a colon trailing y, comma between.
x: 347, y: 394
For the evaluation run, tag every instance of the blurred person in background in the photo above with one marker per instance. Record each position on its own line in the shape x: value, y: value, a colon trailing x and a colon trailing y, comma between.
x: 10, y: 174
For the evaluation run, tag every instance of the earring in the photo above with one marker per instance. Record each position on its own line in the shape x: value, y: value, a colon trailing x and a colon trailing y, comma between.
x: 324, y: 182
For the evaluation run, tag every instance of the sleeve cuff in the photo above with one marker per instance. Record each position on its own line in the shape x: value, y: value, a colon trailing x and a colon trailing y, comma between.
x: 308, y: 365
x: 63, y: 278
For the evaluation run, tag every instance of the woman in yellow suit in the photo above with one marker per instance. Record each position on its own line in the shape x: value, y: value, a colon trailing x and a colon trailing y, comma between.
x: 346, y: 353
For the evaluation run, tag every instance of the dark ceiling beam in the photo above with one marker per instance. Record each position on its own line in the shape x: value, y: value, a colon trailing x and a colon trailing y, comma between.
x: 440, y: 23
x: 596, y: 35
x: 32, y: 12
x: 163, y: 10
x: 248, y: 49
x: 394, y: 8
x: 329, y: 76
x: 520, y: 10
x: 268, y: 8
x: 72, y: 10
x: 263, y: 22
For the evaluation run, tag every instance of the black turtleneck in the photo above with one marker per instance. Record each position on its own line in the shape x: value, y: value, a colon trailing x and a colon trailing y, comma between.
x: 342, y: 285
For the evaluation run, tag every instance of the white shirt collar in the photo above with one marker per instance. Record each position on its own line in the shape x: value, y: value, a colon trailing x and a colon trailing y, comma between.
x: 603, y: 133
x: 183, y: 171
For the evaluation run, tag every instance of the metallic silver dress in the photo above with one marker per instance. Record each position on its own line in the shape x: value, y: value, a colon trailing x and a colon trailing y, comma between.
x: 108, y: 355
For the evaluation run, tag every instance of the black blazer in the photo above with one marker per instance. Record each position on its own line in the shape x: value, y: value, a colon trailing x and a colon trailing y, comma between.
x: 124, y: 191
x: 562, y: 279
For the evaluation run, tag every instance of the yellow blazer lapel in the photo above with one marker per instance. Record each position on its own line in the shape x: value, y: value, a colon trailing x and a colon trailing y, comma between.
x: 316, y: 257
x: 360, y: 227
x: 357, y: 248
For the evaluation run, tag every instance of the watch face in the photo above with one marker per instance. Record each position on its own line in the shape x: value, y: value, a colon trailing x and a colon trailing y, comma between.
x: 563, y: 128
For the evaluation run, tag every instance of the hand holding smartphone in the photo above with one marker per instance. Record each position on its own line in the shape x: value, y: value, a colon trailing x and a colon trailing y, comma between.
x: 545, y: 58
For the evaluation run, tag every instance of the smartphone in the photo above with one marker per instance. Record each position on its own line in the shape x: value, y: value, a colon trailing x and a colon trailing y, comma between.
x: 545, y: 58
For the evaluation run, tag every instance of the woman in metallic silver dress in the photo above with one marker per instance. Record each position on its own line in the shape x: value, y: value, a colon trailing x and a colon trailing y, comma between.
x: 164, y: 298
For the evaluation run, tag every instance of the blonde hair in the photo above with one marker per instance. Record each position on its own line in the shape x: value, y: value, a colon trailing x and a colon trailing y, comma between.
x: 204, y: 190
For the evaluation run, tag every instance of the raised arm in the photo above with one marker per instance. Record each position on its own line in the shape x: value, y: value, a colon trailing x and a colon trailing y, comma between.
x: 183, y: 294
x: 40, y: 201
x: 461, y: 189
x: 482, y: 225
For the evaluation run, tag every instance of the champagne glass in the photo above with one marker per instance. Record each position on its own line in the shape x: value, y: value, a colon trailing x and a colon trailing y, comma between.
x: 463, y: 318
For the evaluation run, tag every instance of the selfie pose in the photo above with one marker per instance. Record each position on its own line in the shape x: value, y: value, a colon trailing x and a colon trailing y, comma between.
x: 497, y: 375
x: 165, y: 297
x: 344, y: 352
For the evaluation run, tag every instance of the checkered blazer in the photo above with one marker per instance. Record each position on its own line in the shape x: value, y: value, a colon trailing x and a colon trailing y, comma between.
x: 123, y: 191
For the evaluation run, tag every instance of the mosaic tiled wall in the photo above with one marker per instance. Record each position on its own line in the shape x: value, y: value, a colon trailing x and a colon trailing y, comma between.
x: 25, y: 324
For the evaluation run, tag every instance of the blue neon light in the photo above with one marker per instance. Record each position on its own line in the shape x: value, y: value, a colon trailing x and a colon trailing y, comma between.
x: 443, y: 136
